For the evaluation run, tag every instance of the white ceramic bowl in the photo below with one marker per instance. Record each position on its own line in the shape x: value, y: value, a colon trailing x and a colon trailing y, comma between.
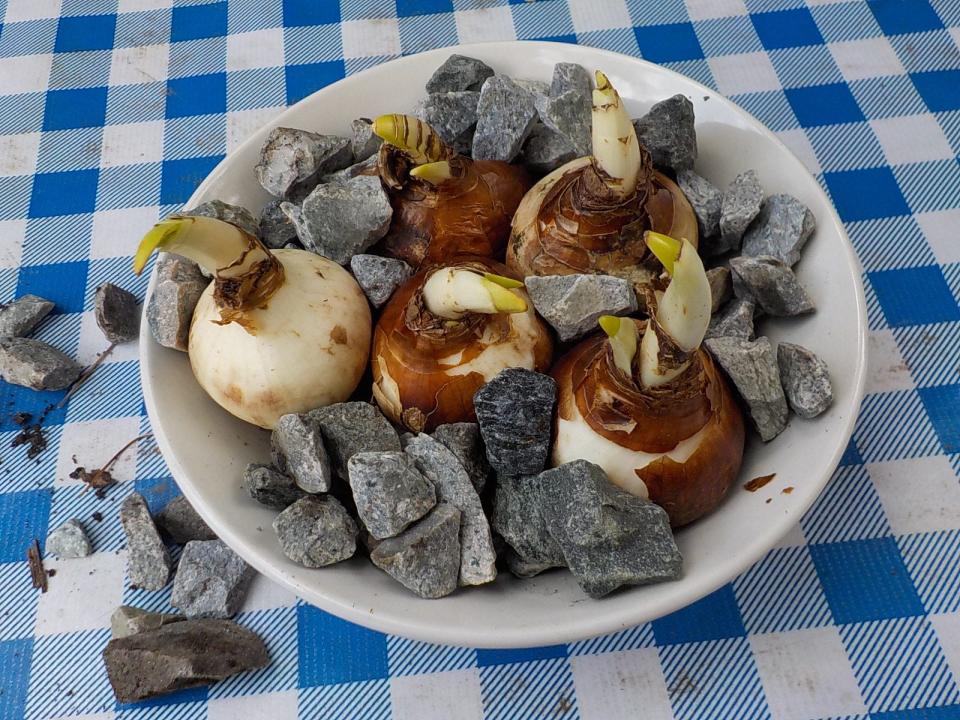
x: 207, y: 449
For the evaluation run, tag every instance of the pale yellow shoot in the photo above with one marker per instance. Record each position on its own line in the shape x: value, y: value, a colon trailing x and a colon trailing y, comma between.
x: 622, y: 334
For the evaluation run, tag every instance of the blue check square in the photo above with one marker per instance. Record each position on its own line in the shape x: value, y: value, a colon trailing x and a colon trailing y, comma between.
x: 302, y: 80
x: 786, y: 28
x: 866, y: 194
x: 668, y: 43
x: 942, y: 404
x: 333, y: 651
x: 487, y: 658
x: 180, y: 178
x: 904, y: 16
x: 27, y: 400
x: 914, y: 296
x: 714, y: 617
x: 408, y: 8
x: 62, y: 283
x: 23, y: 517
x: 196, y: 95
x: 63, y: 193
x: 193, y: 22
x: 68, y: 109
x: 85, y: 32
x: 940, y: 89
x: 824, y: 104
x: 310, y: 12
x: 14, y: 670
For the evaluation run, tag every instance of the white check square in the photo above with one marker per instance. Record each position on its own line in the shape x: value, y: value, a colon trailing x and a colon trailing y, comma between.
x: 13, y: 233
x: 744, y: 73
x: 589, y: 15
x: 113, y: 230
x: 18, y: 153
x: 138, y: 65
x: 799, y: 145
x: 259, y: 48
x: 485, y: 25
x: 132, y: 144
x: 25, y: 73
x: 242, y: 123
x: 708, y: 9
x: 93, y: 443
x: 912, y: 139
x: 83, y: 594
x: 370, y: 38
x: 918, y: 494
x: 939, y: 229
x: 888, y: 370
x: 268, y: 706
x: 947, y: 628
x: 867, y: 58
x: 440, y: 696
x: 615, y: 685
x: 20, y: 10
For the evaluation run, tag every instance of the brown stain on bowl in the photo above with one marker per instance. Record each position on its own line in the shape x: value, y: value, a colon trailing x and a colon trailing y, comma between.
x: 758, y: 482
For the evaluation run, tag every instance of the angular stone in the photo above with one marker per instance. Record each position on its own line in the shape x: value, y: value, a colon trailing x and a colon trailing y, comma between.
x: 545, y: 150
x: 464, y: 441
x: 180, y: 655
x: 752, y: 366
x: 292, y: 161
x: 459, y: 72
x: 736, y: 320
x: 178, y: 287
x: 69, y: 541
x: 515, y: 413
x: 740, y: 205
x: 518, y: 519
x: 573, y: 303
x: 570, y: 114
x: 478, y: 559
x: 772, y: 284
x: 35, y: 364
x: 668, y: 132
x: 127, y: 620
x: 270, y: 487
x: 569, y: 76
x: 365, y: 167
x: 453, y: 115
x: 19, y: 317
x: 521, y: 567
x: 390, y: 491
x: 379, y: 276
x: 297, y: 449
x: 609, y: 537
x: 211, y: 580
x: 781, y: 229
x: 506, y: 114
x: 426, y: 557
x: 352, y: 427
x: 148, y: 562
x: 276, y: 229
x: 363, y: 142
x: 117, y: 313
x: 233, y: 214
x: 182, y: 523
x: 339, y: 220
x: 806, y: 380
x: 705, y: 198
x: 316, y: 531
x: 721, y: 287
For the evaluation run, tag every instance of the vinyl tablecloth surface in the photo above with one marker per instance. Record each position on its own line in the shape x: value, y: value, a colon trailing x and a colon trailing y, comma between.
x: 112, y: 111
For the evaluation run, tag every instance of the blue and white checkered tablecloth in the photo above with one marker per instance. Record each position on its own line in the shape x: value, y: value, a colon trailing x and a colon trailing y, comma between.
x: 111, y: 112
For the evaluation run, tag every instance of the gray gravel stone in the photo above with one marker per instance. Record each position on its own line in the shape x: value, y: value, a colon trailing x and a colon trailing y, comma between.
x: 148, y: 562
x: 292, y: 161
x: 19, y: 317
x: 668, y: 132
x: 740, y: 205
x: 297, y: 449
x: 233, y: 214
x: 515, y: 413
x: 570, y: 76
x: 426, y: 557
x: 518, y: 518
x: 464, y: 441
x: 459, y: 72
x: 752, y: 366
x: 379, y: 276
x: 182, y: 523
x: 180, y: 655
x: 506, y: 114
x: 609, y: 537
x: 706, y: 199
x: 127, y: 620
x: 211, y: 580
x: 276, y: 229
x: 721, y: 287
x: 352, y: 427
x: 736, y: 320
x: 365, y: 167
x: 176, y: 292
x: 390, y: 492
x: 772, y: 284
x: 69, y: 541
x: 117, y: 313
x: 316, y: 531
x: 570, y: 114
x: 35, y: 364
x: 270, y: 487
x: 546, y: 150
x: 478, y: 559
x: 572, y: 303
x: 363, y: 143
x: 806, y: 380
x: 781, y: 229
x: 340, y: 219
x: 453, y: 115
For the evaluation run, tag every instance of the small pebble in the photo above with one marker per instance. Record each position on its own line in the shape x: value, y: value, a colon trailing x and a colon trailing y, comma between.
x: 806, y: 380
x: 316, y: 531
x: 772, y: 284
x: 270, y: 487
x: 175, y: 294
x: 706, y: 200
x: 506, y: 114
x: 297, y: 449
x: 389, y: 490
x: 20, y: 317
x: 352, y: 427
x: 545, y: 150
x: 117, y: 313
x: 464, y: 441
x: 518, y: 518
x: 276, y: 229
x: 379, y: 276
x: 233, y: 214
x: 127, y: 620
x: 453, y: 115
x: 364, y: 142
x: 211, y: 580
x: 573, y: 303
x: 570, y: 76
x: 182, y: 523
x: 721, y: 287
x: 736, y: 320
x: 781, y: 229
x: 35, y: 364
x: 148, y: 562
x: 457, y: 73
x: 292, y: 161
x: 741, y: 204
x: 669, y: 134
x: 69, y: 541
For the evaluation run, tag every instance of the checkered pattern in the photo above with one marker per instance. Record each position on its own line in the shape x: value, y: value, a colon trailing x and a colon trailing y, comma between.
x: 111, y: 112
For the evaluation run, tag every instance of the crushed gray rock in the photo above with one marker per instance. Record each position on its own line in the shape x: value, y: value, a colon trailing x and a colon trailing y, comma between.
x: 148, y: 562
x: 35, y: 364
x: 771, y: 284
x: 297, y: 449
x: 127, y: 620
x: 352, y: 427
x: 570, y: 76
x: 233, y: 214
x: 453, y: 115
x: 426, y: 557
x: 270, y: 487
x: 276, y: 229
x: 545, y: 150
x: 365, y: 167
x: 736, y: 320
x: 182, y: 523
x: 390, y: 491
x: 570, y: 113
x: 506, y: 114
x: 180, y: 655
x: 459, y: 72
x: 379, y: 276
x: 740, y: 205
x: 752, y: 366
x: 363, y: 142
x: 806, y: 380
x: 464, y: 441
x: 316, y: 531
x: 515, y: 414
x: 705, y: 199
x: 292, y: 161
x: 781, y: 229
x: 573, y: 303
x: 211, y: 580
x: 518, y: 518
x: 176, y: 292
x: 721, y: 287
x: 117, y: 313
x: 20, y: 317
x: 340, y: 219
x: 609, y: 537
x: 668, y: 132
x: 69, y: 541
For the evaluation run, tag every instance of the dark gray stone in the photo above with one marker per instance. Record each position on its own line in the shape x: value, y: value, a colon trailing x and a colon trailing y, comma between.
x: 35, y: 364
x: 706, y: 199
x: 518, y: 519
x: 521, y: 567
x: 233, y: 214
x: 297, y: 449
x: 270, y: 487
x: 721, y: 287
x: 316, y: 531
x: 609, y: 537
x: 573, y: 303
x: 365, y: 167
x: 570, y: 114
x: 127, y: 620
x: 182, y: 523
x: 464, y: 441
x: 781, y: 229
x: 453, y: 115
x: 276, y: 229
x: 363, y: 143
x: 771, y: 284
x: 292, y: 161
x: 211, y: 580
x: 806, y: 380
x: 506, y: 114
x: 546, y: 150
x: 69, y: 541
x: 352, y: 427
x: 117, y: 313
x: 570, y: 76
x: 736, y: 320
x: 20, y: 317
x: 379, y: 276
x: 390, y: 492
x: 752, y: 366
x: 178, y: 287
x: 180, y: 655
x: 668, y: 132
x: 740, y: 205
x: 426, y: 557
x: 459, y: 72
x: 148, y: 562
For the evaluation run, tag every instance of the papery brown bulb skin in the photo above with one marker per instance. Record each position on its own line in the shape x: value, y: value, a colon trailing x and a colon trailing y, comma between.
x: 426, y: 370
x: 631, y: 432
